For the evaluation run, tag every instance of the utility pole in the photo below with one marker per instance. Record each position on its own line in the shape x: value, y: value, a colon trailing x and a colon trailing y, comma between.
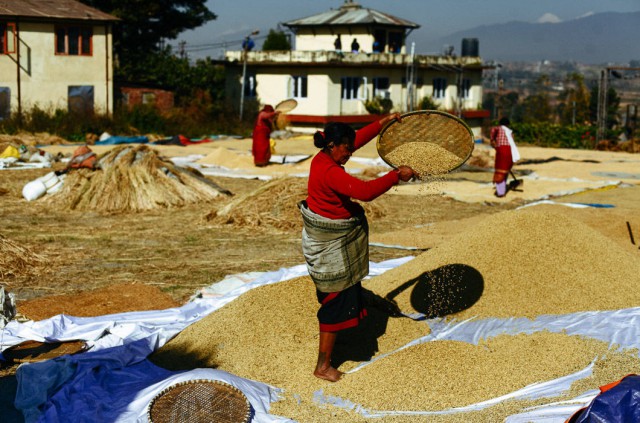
x: 602, y: 105
x: 245, y: 50
x: 410, y: 80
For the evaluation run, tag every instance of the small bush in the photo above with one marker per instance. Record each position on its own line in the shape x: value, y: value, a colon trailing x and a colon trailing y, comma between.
x: 378, y: 106
x: 428, y: 103
x: 554, y: 135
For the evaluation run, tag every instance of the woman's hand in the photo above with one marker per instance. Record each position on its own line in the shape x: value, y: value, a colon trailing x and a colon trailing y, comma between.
x: 405, y: 173
x: 389, y: 118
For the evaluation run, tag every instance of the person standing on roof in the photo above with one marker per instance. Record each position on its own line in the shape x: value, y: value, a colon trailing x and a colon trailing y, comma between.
x: 355, y: 47
x: 335, y: 236
x: 337, y: 44
x: 261, y: 146
x: 248, y: 44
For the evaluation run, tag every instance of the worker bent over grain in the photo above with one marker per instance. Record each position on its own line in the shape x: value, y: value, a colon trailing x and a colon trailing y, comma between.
x: 335, y: 237
x: 261, y: 145
x: 506, y: 154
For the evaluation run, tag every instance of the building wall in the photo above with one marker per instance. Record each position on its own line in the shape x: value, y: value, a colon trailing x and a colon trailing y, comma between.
x: 324, y: 89
x: 45, y: 77
x: 323, y: 39
x: 163, y: 100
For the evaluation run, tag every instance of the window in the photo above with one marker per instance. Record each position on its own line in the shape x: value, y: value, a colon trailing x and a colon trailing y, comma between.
x: 80, y: 99
x: 353, y: 87
x: 298, y: 86
x: 439, y: 87
x: 149, y: 97
x: 381, y: 87
x: 7, y: 38
x: 5, y: 102
x: 74, y: 40
x: 465, y: 89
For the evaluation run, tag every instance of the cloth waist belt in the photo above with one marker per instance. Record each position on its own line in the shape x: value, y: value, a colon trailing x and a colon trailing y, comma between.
x: 336, y: 250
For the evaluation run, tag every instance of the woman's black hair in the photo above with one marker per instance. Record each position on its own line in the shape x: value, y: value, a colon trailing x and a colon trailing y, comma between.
x: 334, y: 132
x: 504, y: 121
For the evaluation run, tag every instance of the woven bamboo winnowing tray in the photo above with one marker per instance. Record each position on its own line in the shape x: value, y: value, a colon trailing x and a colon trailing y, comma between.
x: 433, y: 126
x: 199, y: 401
x: 285, y: 106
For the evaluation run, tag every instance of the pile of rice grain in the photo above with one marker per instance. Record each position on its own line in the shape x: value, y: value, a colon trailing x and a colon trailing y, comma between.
x: 256, y: 336
x: 424, y: 158
x: 531, y: 263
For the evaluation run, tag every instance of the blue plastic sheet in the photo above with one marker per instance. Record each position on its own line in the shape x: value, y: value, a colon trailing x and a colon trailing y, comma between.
x: 618, y: 404
x: 113, y: 140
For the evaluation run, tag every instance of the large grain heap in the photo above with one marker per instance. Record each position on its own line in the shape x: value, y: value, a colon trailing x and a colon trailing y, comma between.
x: 275, y: 205
x: 134, y: 179
x: 527, y: 263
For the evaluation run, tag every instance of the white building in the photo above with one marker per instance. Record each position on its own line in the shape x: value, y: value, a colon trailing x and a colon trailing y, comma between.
x: 56, y: 55
x: 333, y: 85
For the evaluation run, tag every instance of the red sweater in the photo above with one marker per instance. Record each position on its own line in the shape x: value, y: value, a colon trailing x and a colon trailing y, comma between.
x: 331, y: 187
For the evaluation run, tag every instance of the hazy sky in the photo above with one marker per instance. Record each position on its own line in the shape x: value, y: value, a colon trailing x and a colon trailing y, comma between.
x: 237, y: 18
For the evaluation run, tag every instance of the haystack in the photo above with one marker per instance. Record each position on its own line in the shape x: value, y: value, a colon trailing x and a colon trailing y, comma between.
x: 274, y: 205
x: 134, y: 179
x: 16, y: 260
x: 31, y: 139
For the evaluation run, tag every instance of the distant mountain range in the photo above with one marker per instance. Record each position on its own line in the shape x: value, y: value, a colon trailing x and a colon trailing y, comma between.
x: 609, y: 37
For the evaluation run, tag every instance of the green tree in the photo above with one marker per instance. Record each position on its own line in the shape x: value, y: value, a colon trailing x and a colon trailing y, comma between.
x: 613, y: 105
x: 537, y: 106
x: 144, y: 24
x: 574, y: 102
x: 276, y: 41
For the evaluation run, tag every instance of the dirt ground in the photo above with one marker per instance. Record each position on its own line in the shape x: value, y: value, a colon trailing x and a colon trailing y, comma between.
x: 176, y: 251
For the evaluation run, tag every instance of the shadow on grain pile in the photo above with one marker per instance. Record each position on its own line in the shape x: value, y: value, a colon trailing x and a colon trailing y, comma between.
x: 531, y: 263
x: 513, y: 264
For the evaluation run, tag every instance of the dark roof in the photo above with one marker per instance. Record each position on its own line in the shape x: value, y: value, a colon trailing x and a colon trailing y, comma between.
x: 351, y: 14
x: 52, y: 9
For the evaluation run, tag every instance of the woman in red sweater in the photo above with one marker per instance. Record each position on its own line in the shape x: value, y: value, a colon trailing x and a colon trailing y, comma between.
x: 335, y: 238
x: 261, y: 146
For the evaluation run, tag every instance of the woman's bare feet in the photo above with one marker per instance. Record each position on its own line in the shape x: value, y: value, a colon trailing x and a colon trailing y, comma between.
x: 330, y: 374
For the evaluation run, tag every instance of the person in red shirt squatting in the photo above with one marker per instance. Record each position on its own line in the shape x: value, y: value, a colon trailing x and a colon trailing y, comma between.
x: 261, y: 147
x: 335, y: 236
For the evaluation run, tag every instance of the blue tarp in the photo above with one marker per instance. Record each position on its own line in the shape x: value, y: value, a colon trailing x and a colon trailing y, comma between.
x: 123, y: 140
x: 621, y: 403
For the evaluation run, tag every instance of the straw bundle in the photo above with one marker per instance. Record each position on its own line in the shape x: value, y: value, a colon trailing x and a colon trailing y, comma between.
x: 274, y: 205
x: 15, y: 259
x: 29, y: 139
x: 134, y: 179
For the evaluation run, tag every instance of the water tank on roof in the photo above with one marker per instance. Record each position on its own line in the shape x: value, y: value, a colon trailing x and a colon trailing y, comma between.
x: 470, y: 47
